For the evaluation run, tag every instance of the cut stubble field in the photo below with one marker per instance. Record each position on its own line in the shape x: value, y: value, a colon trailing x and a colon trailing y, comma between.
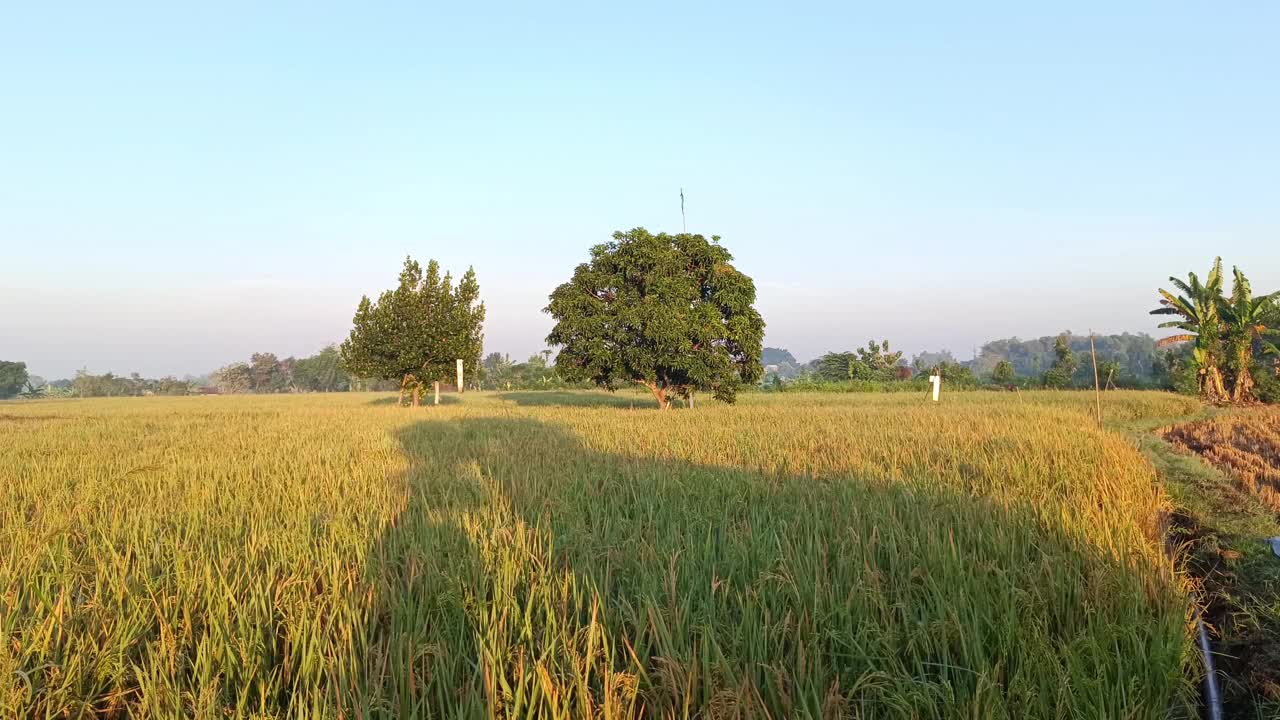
x: 1245, y: 444
x: 582, y: 555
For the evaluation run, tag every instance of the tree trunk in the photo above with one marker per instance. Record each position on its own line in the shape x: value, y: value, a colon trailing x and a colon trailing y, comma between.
x: 1244, y: 388
x: 659, y: 394
x: 1242, y: 391
x: 403, y: 381
x: 417, y: 393
x: 1213, y: 388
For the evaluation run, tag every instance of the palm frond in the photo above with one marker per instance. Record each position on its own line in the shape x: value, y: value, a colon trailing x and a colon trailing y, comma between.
x: 1174, y: 339
x: 1240, y: 289
x: 1213, y: 283
x: 1181, y: 304
x: 1188, y: 290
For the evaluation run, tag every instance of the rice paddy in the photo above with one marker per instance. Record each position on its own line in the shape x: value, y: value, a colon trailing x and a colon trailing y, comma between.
x: 558, y: 555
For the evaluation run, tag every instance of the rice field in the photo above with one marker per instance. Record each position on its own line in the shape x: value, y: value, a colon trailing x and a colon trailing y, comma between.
x: 569, y: 555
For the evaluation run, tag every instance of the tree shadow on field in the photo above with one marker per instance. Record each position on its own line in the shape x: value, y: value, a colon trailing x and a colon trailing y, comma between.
x: 530, y: 575
x: 588, y: 398
x: 394, y: 400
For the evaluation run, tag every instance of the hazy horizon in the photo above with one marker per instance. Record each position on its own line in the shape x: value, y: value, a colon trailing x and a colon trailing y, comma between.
x: 184, y: 187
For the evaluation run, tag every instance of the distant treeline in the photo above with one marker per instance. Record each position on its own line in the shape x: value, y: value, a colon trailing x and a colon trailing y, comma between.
x: 1135, y: 357
x: 498, y: 372
x: 16, y: 382
x: 266, y: 373
x: 1126, y: 360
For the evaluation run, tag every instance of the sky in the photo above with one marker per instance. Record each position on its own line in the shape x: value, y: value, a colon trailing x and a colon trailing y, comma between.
x: 183, y: 186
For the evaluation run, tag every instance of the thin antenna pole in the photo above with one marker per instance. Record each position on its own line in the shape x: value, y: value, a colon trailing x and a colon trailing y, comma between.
x: 683, y: 228
x: 1097, y: 391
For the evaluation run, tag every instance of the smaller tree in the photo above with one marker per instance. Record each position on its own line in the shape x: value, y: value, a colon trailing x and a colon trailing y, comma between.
x: 13, y: 377
x: 879, y: 357
x: 496, y: 362
x: 1004, y: 373
x: 1109, y: 372
x: 926, y: 361
x: 170, y: 385
x: 270, y: 375
x: 838, y: 366
x: 321, y: 372
x: 1064, y: 365
x: 776, y: 356
x: 416, y: 333
x: 954, y: 374
x: 233, y: 379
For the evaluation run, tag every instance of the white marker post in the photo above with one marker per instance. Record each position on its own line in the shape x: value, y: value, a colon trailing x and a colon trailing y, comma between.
x: 460, y: 376
x: 937, y: 385
x: 437, y: 387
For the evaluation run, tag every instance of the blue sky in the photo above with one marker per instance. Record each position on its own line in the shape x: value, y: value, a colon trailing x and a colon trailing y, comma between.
x: 180, y: 187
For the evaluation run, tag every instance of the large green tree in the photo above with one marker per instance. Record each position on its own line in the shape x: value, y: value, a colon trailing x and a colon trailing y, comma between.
x: 13, y: 377
x: 415, y: 333
x: 669, y: 312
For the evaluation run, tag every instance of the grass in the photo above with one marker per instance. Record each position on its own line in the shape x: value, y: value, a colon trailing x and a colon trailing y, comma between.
x: 796, y: 555
x: 1222, y: 515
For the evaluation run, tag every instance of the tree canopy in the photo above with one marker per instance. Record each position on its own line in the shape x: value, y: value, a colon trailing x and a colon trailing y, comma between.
x: 669, y: 312
x: 13, y: 377
x: 1004, y: 373
x: 874, y: 362
x: 321, y: 372
x: 1065, y: 364
x: 777, y: 356
x: 416, y: 333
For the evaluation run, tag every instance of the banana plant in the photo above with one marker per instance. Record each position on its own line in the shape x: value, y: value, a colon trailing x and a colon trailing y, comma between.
x: 1198, y: 310
x: 1247, y: 320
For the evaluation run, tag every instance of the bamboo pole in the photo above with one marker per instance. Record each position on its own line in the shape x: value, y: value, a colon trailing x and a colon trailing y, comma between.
x: 1097, y: 390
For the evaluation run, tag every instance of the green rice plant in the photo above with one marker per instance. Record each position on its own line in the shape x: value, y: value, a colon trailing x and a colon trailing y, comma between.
x: 796, y: 555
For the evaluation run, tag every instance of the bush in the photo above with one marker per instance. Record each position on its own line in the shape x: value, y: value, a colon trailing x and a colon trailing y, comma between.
x: 1266, y: 383
x: 812, y: 383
